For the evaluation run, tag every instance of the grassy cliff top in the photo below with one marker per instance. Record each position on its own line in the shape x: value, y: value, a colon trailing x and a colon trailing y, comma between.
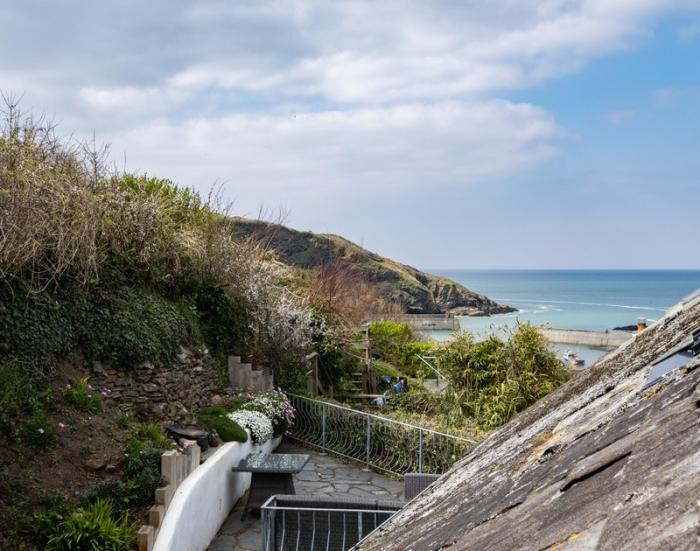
x: 412, y: 290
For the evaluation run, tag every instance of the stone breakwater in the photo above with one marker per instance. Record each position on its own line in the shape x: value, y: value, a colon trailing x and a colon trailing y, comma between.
x: 170, y: 390
x: 602, y: 339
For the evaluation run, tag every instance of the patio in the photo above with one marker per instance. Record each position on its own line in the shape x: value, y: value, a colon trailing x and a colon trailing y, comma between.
x: 323, y: 475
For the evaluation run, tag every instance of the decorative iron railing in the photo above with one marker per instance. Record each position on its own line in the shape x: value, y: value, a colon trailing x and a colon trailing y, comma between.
x: 379, y: 442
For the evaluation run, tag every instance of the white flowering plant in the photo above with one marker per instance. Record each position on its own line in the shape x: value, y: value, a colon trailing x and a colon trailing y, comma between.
x: 275, y: 406
x: 257, y: 423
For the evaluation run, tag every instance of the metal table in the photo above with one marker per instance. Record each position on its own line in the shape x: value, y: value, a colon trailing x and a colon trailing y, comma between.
x: 271, y: 475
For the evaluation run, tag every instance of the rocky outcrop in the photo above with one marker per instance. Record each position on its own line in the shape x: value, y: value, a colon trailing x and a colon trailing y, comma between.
x: 414, y: 291
x: 456, y: 299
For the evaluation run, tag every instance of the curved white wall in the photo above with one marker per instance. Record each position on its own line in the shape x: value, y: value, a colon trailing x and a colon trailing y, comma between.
x: 205, y: 498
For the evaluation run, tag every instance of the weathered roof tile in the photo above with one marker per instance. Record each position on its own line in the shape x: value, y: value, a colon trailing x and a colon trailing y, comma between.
x: 601, y: 463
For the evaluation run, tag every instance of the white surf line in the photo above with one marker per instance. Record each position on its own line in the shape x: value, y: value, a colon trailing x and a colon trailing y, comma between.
x: 655, y: 308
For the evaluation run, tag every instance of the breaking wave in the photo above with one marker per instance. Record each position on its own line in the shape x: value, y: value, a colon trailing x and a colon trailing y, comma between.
x: 627, y: 306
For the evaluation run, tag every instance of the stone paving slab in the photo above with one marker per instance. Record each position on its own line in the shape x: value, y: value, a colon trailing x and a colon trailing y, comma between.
x: 325, y: 475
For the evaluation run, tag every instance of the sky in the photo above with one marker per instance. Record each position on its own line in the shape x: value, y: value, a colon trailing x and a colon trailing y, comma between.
x: 444, y: 134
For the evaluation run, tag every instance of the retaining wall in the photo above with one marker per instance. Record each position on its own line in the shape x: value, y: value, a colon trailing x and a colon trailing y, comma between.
x: 206, y: 497
x: 603, y: 339
x: 169, y: 390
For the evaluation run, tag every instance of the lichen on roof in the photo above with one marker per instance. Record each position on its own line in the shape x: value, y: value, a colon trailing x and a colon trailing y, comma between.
x: 598, y: 464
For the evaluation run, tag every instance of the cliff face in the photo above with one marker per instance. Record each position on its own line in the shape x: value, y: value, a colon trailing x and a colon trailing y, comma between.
x: 415, y: 291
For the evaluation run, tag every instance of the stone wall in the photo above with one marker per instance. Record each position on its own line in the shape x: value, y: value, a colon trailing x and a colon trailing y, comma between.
x: 167, y: 391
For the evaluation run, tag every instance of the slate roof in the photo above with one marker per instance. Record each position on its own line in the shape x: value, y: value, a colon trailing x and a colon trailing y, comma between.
x: 597, y: 464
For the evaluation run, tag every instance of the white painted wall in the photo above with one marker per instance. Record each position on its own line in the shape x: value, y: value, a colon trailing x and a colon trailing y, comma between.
x: 206, y: 497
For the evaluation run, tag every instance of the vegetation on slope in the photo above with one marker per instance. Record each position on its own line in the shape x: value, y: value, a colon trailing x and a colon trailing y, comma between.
x: 490, y: 380
x: 400, y: 286
x: 103, y: 266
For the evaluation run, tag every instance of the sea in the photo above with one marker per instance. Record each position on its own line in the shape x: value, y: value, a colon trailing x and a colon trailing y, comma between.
x: 573, y: 299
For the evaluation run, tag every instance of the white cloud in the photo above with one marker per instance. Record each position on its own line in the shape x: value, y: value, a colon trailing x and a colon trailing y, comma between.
x: 131, y: 98
x: 397, y: 51
x: 386, y: 94
x: 360, y: 151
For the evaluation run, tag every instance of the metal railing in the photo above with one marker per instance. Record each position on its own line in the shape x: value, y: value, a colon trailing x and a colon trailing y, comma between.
x: 290, y: 524
x: 425, y: 361
x: 379, y: 442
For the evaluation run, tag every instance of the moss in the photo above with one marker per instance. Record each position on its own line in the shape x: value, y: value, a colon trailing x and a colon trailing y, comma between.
x: 228, y: 431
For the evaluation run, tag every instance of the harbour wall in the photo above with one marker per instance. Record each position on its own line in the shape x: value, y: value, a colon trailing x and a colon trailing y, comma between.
x: 602, y: 339
x: 430, y: 322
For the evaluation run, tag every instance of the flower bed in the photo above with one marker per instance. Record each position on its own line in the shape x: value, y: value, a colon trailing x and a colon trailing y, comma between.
x: 264, y: 416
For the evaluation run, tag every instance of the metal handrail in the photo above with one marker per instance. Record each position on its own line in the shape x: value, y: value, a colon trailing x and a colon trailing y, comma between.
x: 425, y: 359
x: 387, y: 419
x: 378, y: 442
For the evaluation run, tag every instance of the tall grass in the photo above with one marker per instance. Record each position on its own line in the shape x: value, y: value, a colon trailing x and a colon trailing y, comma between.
x: 65, y: 213
x: 68, y: 220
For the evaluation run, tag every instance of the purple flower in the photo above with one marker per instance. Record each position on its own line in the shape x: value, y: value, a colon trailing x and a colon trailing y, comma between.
x: 61, y: 425
x: 68, y: 385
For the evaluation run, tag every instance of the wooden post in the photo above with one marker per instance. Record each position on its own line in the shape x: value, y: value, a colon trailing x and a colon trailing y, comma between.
x: 145, y: 537
x: 168, y: 467
x: 155, y: 516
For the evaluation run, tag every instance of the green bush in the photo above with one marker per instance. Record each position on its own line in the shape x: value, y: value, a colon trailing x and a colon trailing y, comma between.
x: 222, y: 319
x: 96, y: 527
x: 142, y: 485
x: 39, y: 431
x: 84, y: 397
x: 144, y: 448
x: 384, y: 368
x: 115, y: 491
x: 396, y: 345
x: 213, y: 410
x: 129, y: 326
x: 228, y: 430
x: 141, y: 463
x: 493, y: 379
x: 36, y: 326
x: 45, y: 523
x: 17, y: 393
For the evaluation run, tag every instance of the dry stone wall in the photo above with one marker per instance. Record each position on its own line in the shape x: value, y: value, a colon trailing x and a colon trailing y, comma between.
x: 170, y: 390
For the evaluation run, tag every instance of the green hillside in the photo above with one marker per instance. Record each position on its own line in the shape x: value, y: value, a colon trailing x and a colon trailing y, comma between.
x: 414, y: 291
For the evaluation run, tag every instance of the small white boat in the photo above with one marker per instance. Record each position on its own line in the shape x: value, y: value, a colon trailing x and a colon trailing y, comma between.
x: 571, y: 358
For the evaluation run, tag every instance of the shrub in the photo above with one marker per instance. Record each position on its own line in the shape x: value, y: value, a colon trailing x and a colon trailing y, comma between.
x: 46, y: 522
x: 153, y: 435
x: 227, y: 429
x: 396, y: 344
x: 129, y: 326
x: 259, y: 425
x: 17, y: 395
x: 113, y: 490
x: 141, y: 485
x: 84, y: 397
x: 39, y: 431
x: 35, y: 326
x: 141, y: 463
x: 275, y: 406
x: 96, y: 527
x: 493, y: 379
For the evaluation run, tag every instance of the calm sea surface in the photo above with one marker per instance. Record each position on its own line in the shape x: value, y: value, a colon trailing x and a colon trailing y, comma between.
x: 574, y: 299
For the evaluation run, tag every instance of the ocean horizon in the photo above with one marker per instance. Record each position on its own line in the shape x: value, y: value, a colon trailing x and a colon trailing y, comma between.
x: 595, y: 300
